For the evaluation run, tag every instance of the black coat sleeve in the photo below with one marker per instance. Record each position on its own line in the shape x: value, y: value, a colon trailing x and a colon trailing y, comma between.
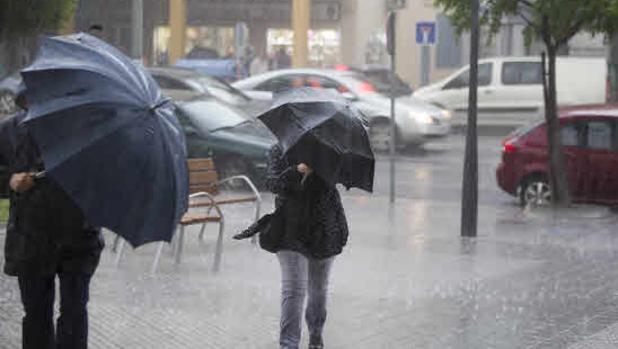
x: 281, y: 177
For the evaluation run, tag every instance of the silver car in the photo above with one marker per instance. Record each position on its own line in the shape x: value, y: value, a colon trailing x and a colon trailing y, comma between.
x: 417, y: 121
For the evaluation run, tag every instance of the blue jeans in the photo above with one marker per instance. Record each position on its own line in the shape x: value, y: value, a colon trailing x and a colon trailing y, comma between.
x: 299, y: 276
x: 37, y: 295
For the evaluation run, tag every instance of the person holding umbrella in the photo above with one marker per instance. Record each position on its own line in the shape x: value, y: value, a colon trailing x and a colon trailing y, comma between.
x: 100, y: 146
x: 322, y: 142
x: 47, y: 235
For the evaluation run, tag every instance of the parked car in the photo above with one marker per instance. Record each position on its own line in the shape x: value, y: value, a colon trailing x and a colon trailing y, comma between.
x: 511, y: 92
x: 237, y: 143
x: 8, y: 89
x: 380, y: 77
x: 590, y: 145
x: 207, y: 61
x: 417, y: 121
x: 191, y: 80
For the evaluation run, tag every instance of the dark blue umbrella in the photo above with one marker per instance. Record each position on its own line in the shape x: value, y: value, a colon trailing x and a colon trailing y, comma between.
x: 108, y: 137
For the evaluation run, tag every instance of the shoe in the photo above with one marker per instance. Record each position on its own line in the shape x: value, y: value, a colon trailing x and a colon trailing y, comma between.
x: 316, y: 342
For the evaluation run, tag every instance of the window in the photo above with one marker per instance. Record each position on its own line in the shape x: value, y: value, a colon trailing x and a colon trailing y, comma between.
x: 599, y: 135
x: 463, y: 79
x: 317, y: 81
x: 570, y: 135
x: 167, y: 83
x: 281, y: 83
x: 522, y: 73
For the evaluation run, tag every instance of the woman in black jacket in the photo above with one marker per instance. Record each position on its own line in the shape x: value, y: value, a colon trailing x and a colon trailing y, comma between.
x: 315, y: 232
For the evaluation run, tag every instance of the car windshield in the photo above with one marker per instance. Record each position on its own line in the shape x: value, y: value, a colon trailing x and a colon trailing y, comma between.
x: 211, y: 115
x: 223, y: 91
x: 381, y: 80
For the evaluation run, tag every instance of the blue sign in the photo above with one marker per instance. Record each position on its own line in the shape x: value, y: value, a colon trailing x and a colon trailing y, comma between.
x: 426, y: 33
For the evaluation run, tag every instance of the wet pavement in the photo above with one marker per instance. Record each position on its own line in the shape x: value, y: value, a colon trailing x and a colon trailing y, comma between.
x: 532, y: 279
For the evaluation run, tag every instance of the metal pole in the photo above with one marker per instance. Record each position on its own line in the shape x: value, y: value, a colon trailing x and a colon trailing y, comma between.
x: 469, y: 204
x: 391, y: 25
x: 393, y: 143
x: 425, y: 64
x: 137, y: 21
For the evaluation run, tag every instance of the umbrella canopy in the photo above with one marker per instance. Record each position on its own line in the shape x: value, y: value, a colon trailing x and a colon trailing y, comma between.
x: 324, y: 131
x: 108, y: 137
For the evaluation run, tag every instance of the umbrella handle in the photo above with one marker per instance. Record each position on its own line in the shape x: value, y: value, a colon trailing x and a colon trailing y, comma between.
x: 39, y: 175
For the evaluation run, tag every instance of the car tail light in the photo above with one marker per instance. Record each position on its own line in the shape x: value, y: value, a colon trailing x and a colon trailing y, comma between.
x: 367, y: 87
x: 342, y: 67
x: 509, y: 146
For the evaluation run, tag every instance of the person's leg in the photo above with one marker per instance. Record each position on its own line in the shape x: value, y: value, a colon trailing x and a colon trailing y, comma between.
x: 37, y: 296
x: 293, y: 290
x: 319, y: 272
x: 72, y: 327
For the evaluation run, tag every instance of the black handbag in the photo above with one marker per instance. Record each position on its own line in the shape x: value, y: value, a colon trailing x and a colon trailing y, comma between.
x: 271, y: 229
x: 272, y: 234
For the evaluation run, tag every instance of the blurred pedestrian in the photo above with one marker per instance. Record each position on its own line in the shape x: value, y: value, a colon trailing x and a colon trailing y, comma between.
x: 47, y: 235
x: 259, y: 65
x: 315, y: 231
x: 284, y: 61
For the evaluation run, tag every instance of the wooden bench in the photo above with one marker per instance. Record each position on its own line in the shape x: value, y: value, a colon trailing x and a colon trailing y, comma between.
x: 204, y: 198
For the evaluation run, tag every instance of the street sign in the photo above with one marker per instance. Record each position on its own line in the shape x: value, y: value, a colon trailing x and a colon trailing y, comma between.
x: 426, y: 33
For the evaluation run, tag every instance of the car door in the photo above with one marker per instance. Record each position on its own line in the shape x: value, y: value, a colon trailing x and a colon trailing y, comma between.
x: 454, y: 94
x: 517, y: 97
x: 573, y: 134
x: 601, y: 180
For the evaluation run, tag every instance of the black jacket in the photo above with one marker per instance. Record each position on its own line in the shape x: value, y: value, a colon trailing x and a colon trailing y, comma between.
x: 315, y: 222
x: 46, y: 231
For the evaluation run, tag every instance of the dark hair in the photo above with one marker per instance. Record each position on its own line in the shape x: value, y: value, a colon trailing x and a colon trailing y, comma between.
x: 95, y: 27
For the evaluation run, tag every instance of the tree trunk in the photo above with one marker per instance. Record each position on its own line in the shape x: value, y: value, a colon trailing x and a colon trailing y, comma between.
x: 469, y: 203
x: 557, y: 169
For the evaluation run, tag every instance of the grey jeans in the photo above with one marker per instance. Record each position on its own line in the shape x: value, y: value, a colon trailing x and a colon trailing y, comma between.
x: 299, y: 276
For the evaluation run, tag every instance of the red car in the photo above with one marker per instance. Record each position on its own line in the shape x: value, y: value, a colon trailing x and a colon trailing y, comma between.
x: 590, y: 145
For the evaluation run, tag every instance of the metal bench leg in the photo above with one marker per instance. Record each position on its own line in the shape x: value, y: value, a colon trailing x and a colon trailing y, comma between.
x: 119, y: 248
x: 254, y: 239
x: 155, y: 263
x: 201, y: 236
x: 179, y: 244
x: 219, y: 248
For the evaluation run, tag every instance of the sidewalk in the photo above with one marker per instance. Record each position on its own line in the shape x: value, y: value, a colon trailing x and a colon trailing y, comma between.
x: 406, y: 280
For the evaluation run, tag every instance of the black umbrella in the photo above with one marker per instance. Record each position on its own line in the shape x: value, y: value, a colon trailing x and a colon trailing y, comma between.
x: 108, y: 137
x: 324, y: 131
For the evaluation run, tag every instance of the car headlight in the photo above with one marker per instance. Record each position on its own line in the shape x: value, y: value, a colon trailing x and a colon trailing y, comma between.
x: 425, y: 119
x: 447, y: 114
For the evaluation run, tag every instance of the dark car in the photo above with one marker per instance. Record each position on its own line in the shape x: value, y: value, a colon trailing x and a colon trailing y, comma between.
x: 590, y: 145
x: 190, y: 80
x: 238, y: 144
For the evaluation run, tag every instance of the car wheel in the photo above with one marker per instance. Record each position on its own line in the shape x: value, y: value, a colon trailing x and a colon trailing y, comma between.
x: 535, y: 192
x: 380, y: 137
x: 7, y: 103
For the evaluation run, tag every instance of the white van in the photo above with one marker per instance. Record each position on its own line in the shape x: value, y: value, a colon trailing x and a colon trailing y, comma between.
x: 511, y: 92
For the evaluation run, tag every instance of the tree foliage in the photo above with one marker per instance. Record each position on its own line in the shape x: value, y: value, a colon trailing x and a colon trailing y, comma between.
x: 554, y: 22
x: 26, y: 17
